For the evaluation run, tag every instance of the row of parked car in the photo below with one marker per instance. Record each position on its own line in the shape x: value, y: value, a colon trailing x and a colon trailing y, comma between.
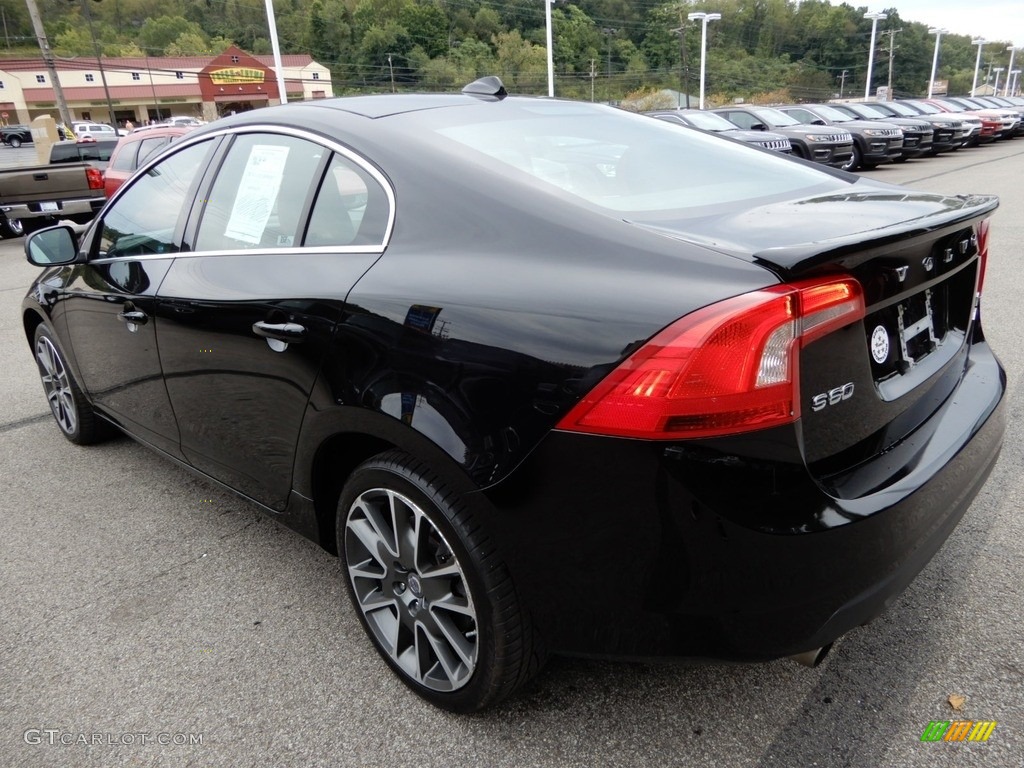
x: 862, y: 135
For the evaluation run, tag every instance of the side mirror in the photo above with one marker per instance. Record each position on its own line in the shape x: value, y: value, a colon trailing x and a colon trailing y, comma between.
x: 817, y: 122
x: 53, y: 246
x: 759, y: 127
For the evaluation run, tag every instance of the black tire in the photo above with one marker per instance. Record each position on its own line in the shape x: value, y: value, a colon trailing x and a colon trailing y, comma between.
x: 74, y: 415
x: 11, y: 228
x: 430, y: 586
x: 15, y: 142
x: 799, y: 151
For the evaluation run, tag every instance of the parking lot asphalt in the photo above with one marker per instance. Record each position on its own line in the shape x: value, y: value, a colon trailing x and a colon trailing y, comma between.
x: 142, y: 605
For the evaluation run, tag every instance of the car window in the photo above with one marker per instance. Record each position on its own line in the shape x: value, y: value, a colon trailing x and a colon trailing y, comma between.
x: 258, y: 197
x: 148, y: 146
x: 631, y: 165
x: 742, y: 119
x: 351, y: 208
x: 64, y: 153
x: 125, y: 158
x: 802, y: 115
x: 96, y: 151
x: 144, y: 218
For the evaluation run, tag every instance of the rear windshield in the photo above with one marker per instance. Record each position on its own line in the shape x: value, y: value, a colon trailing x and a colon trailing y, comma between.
x: 625, y: 162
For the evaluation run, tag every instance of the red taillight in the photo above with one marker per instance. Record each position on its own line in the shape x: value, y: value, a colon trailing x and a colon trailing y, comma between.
x: 727, y: 368
x: 94, y: 177
x: 982, y: 233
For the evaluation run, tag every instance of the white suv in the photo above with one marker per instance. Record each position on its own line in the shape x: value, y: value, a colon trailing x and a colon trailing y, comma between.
x: 85, y: 130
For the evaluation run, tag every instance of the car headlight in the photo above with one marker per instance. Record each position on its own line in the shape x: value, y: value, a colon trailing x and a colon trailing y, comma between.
x: 875, y: 132
x: 818, y: 136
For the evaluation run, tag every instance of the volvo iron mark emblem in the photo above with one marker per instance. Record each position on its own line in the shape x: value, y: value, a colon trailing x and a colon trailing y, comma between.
x: 880, y: 344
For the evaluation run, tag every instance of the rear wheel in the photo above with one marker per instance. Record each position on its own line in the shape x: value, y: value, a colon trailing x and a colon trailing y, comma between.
x: 73, y: 414
x: 430, y: 587
x: 11, y: 228
x: 15, y: 142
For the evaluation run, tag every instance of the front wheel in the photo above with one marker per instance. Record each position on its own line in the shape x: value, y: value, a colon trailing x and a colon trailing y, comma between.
x: 15, y: 142
x: 72, y: 412
x: 430, y: 586
x: 855, y: 160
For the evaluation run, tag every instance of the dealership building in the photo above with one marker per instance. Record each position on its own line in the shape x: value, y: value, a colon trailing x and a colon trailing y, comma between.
x: 141, y: 89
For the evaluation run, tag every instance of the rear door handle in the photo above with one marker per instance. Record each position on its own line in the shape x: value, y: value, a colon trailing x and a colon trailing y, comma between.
x: 133, y: 316
x: 292, y: 333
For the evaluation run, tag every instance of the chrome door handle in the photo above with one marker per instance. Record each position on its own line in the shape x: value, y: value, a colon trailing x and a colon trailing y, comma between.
x: 293, y: 333
x: 133, y: 316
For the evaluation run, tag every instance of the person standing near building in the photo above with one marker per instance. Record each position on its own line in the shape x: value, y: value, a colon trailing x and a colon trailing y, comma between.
x: 128, y: 125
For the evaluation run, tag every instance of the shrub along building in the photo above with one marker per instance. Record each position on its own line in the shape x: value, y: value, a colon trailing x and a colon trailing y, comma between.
x: 154, y: 88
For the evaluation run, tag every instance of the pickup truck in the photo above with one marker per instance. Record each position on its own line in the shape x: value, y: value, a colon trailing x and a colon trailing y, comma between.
x: 69, y: 187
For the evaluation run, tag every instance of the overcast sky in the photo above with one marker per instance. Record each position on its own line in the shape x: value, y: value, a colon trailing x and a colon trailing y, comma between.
x: 990, y: 19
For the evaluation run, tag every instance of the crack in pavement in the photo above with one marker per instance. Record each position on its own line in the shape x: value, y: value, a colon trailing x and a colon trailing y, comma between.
x: 26, y: 422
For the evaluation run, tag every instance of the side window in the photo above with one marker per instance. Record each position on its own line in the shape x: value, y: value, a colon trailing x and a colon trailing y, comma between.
x: 125, y: 159
x: 136, y: 224
x: 351, y: 208
x: 148, y: 146
x: 742, y: 119
x: 260, y: 192
x: 801, y: 115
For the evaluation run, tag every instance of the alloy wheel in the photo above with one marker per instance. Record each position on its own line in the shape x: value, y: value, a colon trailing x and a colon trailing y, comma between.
x: 57, y: 385
x: 411, y: 590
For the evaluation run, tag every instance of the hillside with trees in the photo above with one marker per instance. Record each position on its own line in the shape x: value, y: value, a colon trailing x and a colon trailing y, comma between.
x: 760, y: 49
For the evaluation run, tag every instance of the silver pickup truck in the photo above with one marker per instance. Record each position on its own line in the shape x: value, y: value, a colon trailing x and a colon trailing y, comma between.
x: 70, y: 186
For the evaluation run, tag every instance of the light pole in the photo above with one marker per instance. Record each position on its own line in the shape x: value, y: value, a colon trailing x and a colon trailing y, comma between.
x: 1009, y: 70
x: 704, y: 19
x: 980, y: 42
x: 551, y: 54
x: 871, y: 51
x: 997, y: 70
x: 938, y: 32
x: 1013, y: 88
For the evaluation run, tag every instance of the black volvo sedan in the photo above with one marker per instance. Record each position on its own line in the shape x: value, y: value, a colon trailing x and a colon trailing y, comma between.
x: 549, y: 377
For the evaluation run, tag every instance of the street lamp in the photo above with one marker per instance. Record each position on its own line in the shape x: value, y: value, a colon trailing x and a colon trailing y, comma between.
x: 980, y: 42
x: 704, y: 19
x: 871, y: 51
x: 1009, y: 70
x: 1013, y: 88
x: 551, y: 54
x: 997, y: 70
x: 938, y: 32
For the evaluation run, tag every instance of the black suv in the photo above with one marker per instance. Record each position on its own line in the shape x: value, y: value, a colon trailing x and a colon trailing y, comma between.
x: 874, y: 142
x: 917, y: 132
x: 826, y: 145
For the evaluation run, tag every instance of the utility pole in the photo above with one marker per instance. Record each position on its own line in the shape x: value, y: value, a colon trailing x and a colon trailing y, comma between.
x: 842, y: 82
x: 684, y: 71
x: 593, y: 74
x: 99, y: 61
x: 44, y: 46
x: 892, y: 52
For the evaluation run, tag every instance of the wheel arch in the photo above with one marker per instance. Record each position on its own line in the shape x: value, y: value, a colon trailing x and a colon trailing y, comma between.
x: 31, y: 319
x: 341, y: 449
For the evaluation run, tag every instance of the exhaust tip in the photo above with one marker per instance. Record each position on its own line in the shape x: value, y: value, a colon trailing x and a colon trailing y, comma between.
x: 813, y: 657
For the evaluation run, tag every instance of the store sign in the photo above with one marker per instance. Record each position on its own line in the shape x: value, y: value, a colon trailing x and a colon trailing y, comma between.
x: 237, y: 75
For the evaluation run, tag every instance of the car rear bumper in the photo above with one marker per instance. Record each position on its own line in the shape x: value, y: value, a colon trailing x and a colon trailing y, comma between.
x: 89, y: 206
x: 730, y: 549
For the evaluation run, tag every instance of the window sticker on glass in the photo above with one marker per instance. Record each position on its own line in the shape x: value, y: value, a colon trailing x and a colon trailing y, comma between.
x: 257, y: 193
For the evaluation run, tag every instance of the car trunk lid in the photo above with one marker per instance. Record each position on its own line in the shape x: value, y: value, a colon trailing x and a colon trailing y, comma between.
x: 866, y: 386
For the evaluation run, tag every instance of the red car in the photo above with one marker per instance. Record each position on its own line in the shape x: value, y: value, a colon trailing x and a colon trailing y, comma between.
x: 134, y: 149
